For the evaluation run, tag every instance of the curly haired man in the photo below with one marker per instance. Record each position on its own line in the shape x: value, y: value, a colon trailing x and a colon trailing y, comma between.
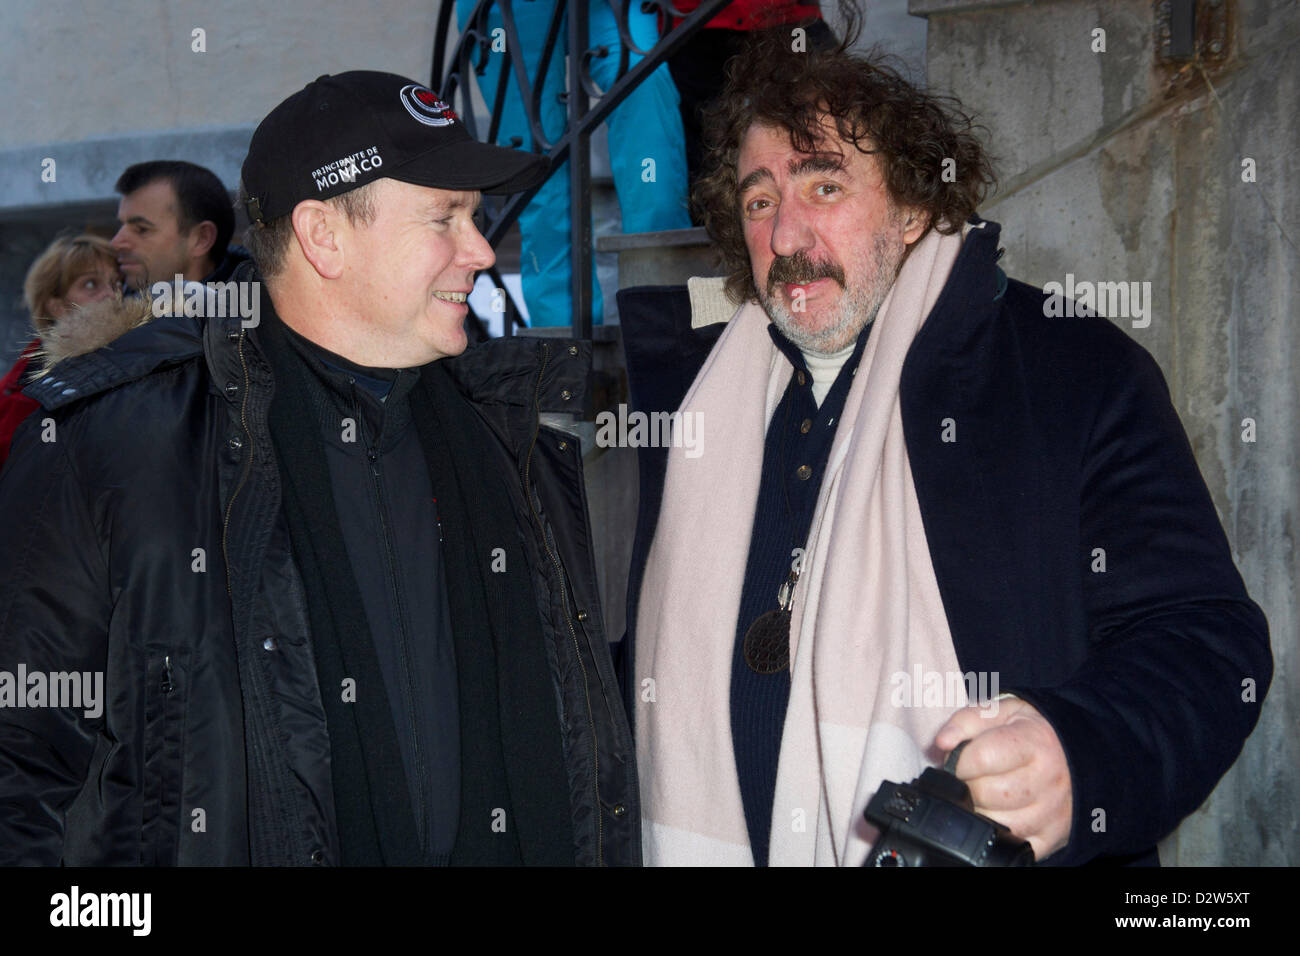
x: 920, y: 467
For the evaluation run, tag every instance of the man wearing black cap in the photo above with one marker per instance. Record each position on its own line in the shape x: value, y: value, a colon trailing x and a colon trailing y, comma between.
x: 337, y: 581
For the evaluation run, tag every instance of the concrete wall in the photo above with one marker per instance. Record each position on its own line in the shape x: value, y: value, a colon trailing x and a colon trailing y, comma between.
x: 1116, y: 167
x: 88, y: 70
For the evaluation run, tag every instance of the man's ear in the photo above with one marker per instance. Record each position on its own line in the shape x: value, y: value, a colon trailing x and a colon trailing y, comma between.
x: 201, y: 239
x: 915, y: 222
x: 317, y: 227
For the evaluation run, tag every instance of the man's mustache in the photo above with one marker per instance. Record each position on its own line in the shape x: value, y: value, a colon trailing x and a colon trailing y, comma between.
x: 799, y: 269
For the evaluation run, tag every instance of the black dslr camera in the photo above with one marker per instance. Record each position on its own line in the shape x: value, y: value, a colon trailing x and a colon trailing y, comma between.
x: 932, y: 822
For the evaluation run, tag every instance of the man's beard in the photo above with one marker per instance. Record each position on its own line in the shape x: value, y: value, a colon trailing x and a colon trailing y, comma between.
x: 858, y: 303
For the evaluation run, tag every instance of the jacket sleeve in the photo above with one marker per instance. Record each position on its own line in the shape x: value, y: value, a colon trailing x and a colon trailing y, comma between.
x: 1179, y: 656
x: 54, y: 616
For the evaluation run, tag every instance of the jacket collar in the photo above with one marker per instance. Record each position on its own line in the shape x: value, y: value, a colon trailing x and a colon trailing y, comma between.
x: 131, y: 356
x: 235, y: 257
x: 340, y: 388
x: 551, y: 374
x: 970, y: 298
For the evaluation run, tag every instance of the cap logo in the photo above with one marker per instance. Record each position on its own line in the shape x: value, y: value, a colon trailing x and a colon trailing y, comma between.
x: 424, y: 105
x: 346, y: 169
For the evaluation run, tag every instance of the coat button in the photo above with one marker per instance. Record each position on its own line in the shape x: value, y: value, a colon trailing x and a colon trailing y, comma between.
x: 620, y: 810
x: 232, y: 336
x: 235, y: 443
x: 804, y: 472
x: 566, y: 395
x: 801, y: 378
x: 318, y: 857
x: 573, y: 350
x: 582, y: 615
x: 805, y: 426
x: 564, y: 446
x: 232, y: 389
x: 269, y: 644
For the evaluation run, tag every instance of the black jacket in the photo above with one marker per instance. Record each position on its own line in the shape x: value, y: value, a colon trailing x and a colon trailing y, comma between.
x: 144, y: 539
x: 234, y: 257
x: 1151, y: 671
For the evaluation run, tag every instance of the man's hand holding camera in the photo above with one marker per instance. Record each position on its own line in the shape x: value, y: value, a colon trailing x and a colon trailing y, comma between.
x: 1016, y: 770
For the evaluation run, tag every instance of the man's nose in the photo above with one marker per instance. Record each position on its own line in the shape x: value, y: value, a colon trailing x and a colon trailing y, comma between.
x: 119, y: 239
x: 477, y: 253
x: 791, y: 230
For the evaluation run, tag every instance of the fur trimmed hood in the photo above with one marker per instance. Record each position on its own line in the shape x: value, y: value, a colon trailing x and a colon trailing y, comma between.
x: 88, y: 328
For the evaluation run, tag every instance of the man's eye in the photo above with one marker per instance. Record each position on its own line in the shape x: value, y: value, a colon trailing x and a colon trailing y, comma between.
x: 827, y: 188
x: 757, y: 205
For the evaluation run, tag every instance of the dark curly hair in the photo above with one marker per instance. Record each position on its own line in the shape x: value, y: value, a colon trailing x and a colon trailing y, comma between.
x: 872, y: 106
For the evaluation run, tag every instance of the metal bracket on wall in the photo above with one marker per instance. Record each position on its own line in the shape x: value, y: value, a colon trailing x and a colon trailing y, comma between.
x: 1187, y: 30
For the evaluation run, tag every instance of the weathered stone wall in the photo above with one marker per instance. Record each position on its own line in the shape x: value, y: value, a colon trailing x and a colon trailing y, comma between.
x: 1116, y: 167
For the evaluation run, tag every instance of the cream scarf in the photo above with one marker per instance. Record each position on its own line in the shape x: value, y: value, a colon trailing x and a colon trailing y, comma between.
x: 868, y: 624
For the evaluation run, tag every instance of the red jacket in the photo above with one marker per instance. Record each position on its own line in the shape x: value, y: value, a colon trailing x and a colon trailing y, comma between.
x: 14, y: 405
x: 753, y: 14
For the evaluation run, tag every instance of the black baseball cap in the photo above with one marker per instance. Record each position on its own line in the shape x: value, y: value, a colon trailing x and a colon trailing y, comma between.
x: 344, y: 131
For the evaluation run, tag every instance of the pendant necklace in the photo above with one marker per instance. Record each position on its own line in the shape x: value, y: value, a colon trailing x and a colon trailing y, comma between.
x: 767, y: 642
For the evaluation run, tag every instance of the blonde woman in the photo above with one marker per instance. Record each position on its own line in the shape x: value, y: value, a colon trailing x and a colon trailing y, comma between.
x: 73, y: 292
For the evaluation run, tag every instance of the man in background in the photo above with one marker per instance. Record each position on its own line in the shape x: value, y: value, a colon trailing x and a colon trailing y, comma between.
x: 176, y: 219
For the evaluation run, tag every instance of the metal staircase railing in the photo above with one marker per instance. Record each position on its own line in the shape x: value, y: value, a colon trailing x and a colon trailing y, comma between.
x: 451, y: 70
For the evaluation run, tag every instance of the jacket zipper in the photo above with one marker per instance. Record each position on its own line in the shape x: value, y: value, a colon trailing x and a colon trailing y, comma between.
x: 156, y: 849
x: 248, y: 465
x: 564, y: 602
x: 408, y: 675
